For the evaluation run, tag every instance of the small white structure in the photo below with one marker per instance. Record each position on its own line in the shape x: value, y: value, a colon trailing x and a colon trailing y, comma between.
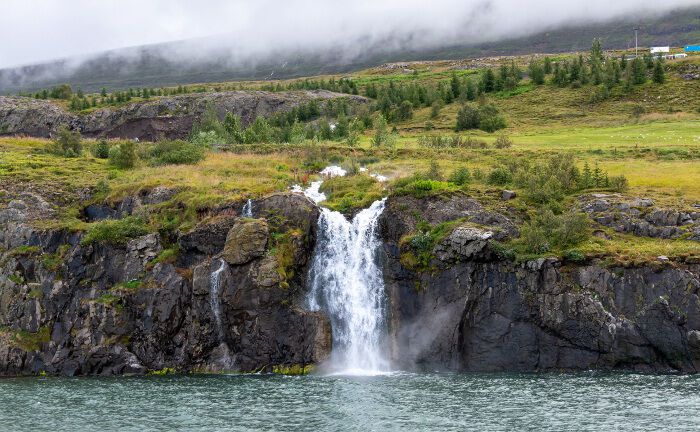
x: 660, y: 50
x: 681, y: 55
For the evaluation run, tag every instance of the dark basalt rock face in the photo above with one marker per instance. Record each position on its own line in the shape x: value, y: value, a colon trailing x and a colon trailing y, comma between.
x: 474, y: 311
x: 73, y: 309
x: 169, y: 117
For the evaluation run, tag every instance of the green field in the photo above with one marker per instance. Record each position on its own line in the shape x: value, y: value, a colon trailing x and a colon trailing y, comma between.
x: 650, y: 135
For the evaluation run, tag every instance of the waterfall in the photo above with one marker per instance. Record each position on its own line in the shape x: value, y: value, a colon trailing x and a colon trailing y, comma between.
x: 214, y: 288
x: 247, y: 210
x: 346, y: 283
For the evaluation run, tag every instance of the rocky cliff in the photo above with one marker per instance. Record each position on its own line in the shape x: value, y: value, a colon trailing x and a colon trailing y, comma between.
x: 472, y: 309
x: 233, y: 297
x: 167, y: 117
x: 230, y: 301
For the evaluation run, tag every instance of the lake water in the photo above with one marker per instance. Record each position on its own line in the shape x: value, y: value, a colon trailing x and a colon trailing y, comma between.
x: 401, y: 401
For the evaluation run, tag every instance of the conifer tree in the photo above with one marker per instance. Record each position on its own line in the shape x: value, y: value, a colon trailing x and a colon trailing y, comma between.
x: 547, y: 66
x: 659, y: 72
x: 454, y: 85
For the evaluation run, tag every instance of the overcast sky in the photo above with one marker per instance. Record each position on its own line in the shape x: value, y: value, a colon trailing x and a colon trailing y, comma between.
x: 36, y: 30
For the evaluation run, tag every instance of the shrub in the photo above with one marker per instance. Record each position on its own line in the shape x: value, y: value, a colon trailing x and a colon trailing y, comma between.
x: 123, y: 155
x: 503, y: 142
x: 618, y: 183
x: 467, y: 118
x: 574, y: 255
x: 500, y: 176
x: 176, y: 152
x: 460, y: 176
x: 547, y: 230
x: 490, y: 119
x: 67, y: 143
x: 637, y: 110
x: 434, y: 172
x: 101, y: 149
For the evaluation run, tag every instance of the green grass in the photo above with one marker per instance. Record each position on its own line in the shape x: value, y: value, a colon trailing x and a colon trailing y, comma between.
x: 345, y: 194
x: 115, y: 232
x: 25, y: 340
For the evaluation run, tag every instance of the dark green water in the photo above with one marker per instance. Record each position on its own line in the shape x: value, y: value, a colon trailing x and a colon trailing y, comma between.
x: 406, y: 402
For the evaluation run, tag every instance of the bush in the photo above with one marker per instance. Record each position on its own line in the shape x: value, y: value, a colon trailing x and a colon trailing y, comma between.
x: 467, y: 118
x: 101, y: 149
x: 123, y: 155
x: 503, y: 142
x: 574, y: 255
x: 500, y: 176
x: 176, y: 152
x: 434, y: 172
x: 67, y: 143
x: 460, y: 176
x: 490, y: 119
x: 547, y: 230
x: 618, y: 183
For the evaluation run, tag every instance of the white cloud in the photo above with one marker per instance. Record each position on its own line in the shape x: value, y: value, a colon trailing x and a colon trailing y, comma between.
x: 35, y: 30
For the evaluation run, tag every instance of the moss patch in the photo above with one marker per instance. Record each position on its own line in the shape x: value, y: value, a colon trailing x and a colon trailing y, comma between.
x: 295, y: 369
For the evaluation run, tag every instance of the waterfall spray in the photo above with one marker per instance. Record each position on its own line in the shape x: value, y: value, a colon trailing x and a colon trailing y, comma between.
x: 347, y: 283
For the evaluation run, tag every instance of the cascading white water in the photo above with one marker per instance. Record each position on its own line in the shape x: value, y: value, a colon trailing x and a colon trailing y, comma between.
x: 247, y: 210
x: 214, y: 288
x: 347, y: 283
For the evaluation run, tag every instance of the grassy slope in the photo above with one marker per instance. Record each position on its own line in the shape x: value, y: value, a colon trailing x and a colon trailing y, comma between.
x: 659, y: 153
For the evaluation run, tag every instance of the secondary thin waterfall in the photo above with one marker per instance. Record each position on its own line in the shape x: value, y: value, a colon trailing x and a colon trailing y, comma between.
x: 347, y: 283
x: 247, y: 210
x: 214, y: 288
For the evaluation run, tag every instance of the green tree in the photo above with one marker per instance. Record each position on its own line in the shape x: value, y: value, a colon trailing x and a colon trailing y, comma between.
x: 455, y: 85
x: 467, y: 118
x: 354, y: 131
x: 639, y: 71
x: 123, y: 155
x: 490, y: 118
x: 233, y: 128
x: 405, y: 111
x: 381, y: 132
x: 537, y: 73
x: 547, y: 65
x: 297, y: 135
x: 596, y: 54
x: 67, y: 143
x: 488, y: 81
x: 659, y: 74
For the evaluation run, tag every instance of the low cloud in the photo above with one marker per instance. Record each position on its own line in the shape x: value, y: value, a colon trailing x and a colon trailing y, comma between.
x: 41, y: 30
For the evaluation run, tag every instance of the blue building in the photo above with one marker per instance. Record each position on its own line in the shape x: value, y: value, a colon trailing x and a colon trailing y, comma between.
x: 692, y: 48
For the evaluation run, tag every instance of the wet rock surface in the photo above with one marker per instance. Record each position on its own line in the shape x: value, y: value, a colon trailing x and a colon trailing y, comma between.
x: 167, y: 117
x: 73, y: 309
x: 472, y: 310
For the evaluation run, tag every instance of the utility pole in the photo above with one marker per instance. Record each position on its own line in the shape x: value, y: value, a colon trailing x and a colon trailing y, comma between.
x: 636, y: 54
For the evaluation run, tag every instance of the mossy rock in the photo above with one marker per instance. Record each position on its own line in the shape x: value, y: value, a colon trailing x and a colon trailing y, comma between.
x: 246, y: 240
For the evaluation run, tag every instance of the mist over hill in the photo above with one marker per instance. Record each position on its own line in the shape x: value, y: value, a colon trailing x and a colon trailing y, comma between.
x: 200, y: 60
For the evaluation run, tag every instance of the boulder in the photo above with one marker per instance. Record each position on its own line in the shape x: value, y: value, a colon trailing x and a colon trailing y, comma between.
x: 508, y: 195
x: 246, y: 240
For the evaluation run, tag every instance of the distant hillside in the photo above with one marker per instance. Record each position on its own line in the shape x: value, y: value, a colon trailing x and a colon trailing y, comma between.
x: 148, y: 66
